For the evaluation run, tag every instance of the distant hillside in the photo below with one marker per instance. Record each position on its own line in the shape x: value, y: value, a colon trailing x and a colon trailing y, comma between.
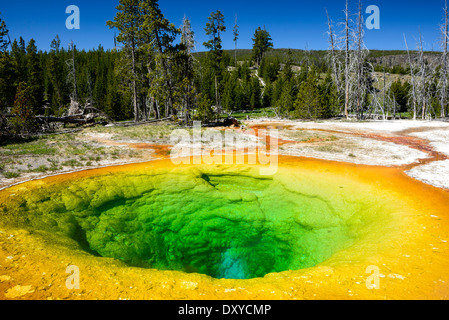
x: 387, y: 58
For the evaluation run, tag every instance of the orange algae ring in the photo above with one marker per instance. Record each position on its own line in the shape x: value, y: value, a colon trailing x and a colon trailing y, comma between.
x: 314, y: 230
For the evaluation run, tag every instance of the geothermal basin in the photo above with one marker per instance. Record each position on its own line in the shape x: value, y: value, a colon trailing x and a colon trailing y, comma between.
x: 155, y: 230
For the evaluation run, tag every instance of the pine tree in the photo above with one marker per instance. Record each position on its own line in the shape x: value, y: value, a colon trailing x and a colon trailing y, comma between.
x: 18, y: 53
x: 7, y: 82
x: 285, y: 103
x: 329, y: 97
x: 7, y: 71
x: 236, y: 34
x: 214, y: 28
x: 24, y: 120
x: 261, y: 43
x: 267, y: 95
x: 308, y: 101
x: 128, y: 21
x: 162, y: 34
x: 35, y: 78
x: 229, y: 93
x: 204, y: 112
x: 256, y: 93
x: 4, y: 36
x: 56, y: 76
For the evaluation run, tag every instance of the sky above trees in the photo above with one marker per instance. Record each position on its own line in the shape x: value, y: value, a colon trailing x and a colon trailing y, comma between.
x: 292, y: 24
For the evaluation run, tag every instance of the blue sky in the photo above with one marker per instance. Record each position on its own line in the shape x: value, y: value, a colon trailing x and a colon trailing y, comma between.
x: 292, y: 24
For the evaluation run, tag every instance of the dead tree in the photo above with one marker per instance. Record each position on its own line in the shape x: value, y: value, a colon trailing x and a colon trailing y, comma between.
x: 422, y: 88
x: 188, y: 40
x: 347, y: 59
x: 360, y: 69
x: 73, y: 82
x: 333, y: 58
x: 413, y: 97
x: 444, y: 72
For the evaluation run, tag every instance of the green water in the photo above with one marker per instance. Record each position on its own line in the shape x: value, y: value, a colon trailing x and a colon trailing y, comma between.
x: 223, y: 222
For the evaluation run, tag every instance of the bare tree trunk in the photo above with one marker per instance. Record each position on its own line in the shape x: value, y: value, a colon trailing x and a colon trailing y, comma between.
x: 333, y: 56
x: 347, y: 61
x: 423, y: 76
x: 75, y: 81
x: 156, y: 108
x: 359, y: 62
x: 412, y: 73
x: 166, y: 74
x: 217, y: 97
x: 444, y: 62
x: 134, y: 82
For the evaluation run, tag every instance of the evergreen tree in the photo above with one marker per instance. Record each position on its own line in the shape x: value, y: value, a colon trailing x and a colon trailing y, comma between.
x: 255, y: 93
x: 261, y: 43
x: 236, y: 34
x: 162, y: 34
x: 267, y: 95
x: 4, y: 36
x: 329, y: 97
x: 204, y: 112
x: 56, y: 76
x: 269, y: 69
x: 308, y: 101
x: 128, y: 21
x: 214, y: 28
x: 399, y: 94
x: 7, y: 71
x: 24, y: 120
x: 7, y: 82
x: 18, y: 54
x: 35, y: 78
x: 229, y: 92
x: 284, y: 104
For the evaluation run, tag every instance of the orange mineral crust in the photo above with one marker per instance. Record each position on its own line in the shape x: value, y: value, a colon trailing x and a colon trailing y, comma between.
x: 314, y: 230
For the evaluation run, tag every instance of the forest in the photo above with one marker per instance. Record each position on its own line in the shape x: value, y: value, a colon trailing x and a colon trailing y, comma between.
x: 154, y: 73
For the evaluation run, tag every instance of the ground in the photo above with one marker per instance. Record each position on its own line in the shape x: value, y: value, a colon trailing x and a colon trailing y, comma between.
x: 418, y: 149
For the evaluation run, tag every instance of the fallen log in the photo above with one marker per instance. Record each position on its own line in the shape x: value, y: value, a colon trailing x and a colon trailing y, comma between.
x: 132, y: 124
x: 71, y: 119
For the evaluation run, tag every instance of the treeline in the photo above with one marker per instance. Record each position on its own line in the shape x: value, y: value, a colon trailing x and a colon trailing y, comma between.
x: 153, y: 73
x: 49, y: 81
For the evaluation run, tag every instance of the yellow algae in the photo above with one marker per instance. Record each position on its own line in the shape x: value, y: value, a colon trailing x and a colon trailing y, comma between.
x: 311, y: 231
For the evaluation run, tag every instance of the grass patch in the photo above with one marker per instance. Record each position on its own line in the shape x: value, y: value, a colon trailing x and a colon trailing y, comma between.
x: 72, y: 163
x: 329, y: 149
x: 140, y: 133
x: 36, y: 147
x: 11, y: 174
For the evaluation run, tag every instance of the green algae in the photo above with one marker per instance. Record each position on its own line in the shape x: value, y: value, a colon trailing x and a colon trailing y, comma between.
x: 222, y: 221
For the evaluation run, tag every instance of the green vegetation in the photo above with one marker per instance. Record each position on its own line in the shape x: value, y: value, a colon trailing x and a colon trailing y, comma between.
x: 156, y: 75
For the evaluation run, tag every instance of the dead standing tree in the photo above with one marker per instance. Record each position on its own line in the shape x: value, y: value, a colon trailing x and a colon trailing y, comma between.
x: 73, y: 82
x: 423, y: 84
x: 413, y: 97
x: 361, y: 70
x: 334, y: 59
x: 444, y: 68
x: 347, y: 59
x: 188, y: 87
x: 347, y: 54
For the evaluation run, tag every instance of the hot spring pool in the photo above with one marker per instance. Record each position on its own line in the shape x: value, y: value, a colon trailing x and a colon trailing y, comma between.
x: 226, y: 222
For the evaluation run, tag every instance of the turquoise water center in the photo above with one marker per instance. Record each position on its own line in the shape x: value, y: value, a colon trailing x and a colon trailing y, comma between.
x: 227, y: 222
